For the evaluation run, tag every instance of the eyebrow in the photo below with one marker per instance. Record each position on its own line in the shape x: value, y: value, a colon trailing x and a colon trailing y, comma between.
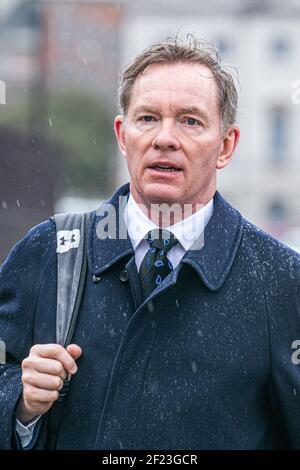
x: 192, y: 110
x: 178, y: 111
x: 145, y: 109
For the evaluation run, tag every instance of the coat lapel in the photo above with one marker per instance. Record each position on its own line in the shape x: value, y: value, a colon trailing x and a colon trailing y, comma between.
x: 212, y: 260
x: 221, y: 240
x: 104, y: 251
x: 218, y: 247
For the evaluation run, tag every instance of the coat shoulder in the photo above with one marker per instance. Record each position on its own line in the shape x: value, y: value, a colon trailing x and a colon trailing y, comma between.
x: 36, y: 247
x: 271, y: 254
x: 42, y: 234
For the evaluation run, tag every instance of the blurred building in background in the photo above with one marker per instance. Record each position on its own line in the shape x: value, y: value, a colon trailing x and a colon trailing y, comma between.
x: 60, y: 62
x: 26, y: 184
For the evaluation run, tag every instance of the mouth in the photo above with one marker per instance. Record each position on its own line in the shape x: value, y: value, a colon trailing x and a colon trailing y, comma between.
x: 165, y: 167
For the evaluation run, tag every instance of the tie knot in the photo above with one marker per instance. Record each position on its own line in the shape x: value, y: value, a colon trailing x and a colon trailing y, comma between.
x: 161, y: 239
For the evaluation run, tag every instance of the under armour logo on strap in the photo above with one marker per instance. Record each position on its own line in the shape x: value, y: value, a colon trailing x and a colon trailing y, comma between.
x: 67, y: 239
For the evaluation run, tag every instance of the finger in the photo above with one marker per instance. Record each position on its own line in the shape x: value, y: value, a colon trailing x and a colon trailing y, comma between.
x: 44, y: 381
x: 39, y: 395
x: 55, y: 351
x: 39, y: 408
x: 74, y: 350
x: 45, y: 366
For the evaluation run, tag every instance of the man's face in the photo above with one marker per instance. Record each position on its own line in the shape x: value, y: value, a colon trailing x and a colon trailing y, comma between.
x: 173, y: 120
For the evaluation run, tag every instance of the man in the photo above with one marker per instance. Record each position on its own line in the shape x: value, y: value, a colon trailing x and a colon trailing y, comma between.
x: 178, y: 344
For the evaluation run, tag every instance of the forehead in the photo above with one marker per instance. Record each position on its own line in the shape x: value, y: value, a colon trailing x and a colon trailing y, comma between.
x: 179, y: 84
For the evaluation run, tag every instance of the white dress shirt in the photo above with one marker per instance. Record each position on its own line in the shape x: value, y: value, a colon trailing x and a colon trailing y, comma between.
x: 25, y: 431
x: 138, y: 225
x: 186, y: 231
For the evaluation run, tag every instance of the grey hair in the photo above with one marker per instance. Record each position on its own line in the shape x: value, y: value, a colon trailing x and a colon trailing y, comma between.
x: 192, y: 50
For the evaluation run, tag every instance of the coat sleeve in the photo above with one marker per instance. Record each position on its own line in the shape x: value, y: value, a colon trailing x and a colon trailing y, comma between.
x: 20, y: 278
x: 283, y: 300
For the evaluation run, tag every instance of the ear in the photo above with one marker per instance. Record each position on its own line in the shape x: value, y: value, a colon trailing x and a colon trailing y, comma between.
x: 230, y: 141
x: 120, y: 134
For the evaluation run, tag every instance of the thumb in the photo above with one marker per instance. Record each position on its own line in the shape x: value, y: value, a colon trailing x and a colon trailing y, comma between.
x: 74, y: 350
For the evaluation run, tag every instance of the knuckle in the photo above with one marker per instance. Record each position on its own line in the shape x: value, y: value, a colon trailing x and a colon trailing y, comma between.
x: 63, y: 375
x: 59, y: 368
x: 35, y: 348
x: 34, y: 394
x: 59, y: 349
x: 27, y: 362
x: 25, y: 377
x: 57, y: 382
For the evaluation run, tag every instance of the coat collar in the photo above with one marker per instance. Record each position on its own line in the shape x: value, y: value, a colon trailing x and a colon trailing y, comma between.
x: 212, y: 262
x: 222, y: 236
x: 103, y: 253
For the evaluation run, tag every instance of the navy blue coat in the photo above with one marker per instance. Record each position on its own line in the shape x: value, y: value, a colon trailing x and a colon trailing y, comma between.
x: 204, y: 363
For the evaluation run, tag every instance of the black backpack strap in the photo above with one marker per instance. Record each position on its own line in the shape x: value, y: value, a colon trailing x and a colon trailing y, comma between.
x: 72, y: 234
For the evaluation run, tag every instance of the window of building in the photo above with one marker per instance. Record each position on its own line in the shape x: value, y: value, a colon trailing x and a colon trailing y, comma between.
x: 280, y: 47
x: 27, y: 15
x: 278, y: 134
x: 277, y: 211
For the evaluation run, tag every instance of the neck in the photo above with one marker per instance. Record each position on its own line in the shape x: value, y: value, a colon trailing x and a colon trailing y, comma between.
x: 165, y: 214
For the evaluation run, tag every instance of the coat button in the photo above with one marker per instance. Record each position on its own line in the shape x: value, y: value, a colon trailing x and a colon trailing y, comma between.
x: 123, y: 276
x: 96, y: 279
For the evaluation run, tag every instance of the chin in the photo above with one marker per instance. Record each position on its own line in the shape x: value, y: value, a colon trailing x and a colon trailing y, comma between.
x: 159, y: 193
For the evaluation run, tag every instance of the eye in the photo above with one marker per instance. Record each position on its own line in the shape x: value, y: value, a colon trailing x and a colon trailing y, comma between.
x: 146, y: 118
x: 192, y: 122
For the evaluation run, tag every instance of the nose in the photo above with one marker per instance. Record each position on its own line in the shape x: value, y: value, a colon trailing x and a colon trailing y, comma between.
x: 165, y: 138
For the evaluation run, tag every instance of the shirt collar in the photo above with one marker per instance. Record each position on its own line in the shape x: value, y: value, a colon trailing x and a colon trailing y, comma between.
x: 186, y: 231
x: 212, y: 262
